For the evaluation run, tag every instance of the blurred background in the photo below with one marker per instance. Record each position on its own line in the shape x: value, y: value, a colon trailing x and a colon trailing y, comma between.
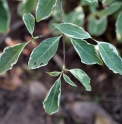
x: 22, y: 91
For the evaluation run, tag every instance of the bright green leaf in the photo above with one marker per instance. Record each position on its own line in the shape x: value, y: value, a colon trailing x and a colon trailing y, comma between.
x: 97, y: 26
x: 110, y: 56
x: 44, y: 9
x: 4, y: 16
x: 43, y: 53
x: 10, y: 56
x: 52, y: 101
x: 82, y: 77
x: 68, y: 80
x: 119, y: 24
x: 110, y: 10
x: 86, y: 52
x: 29, y: 21
x: 72, y: 30
x: 26, y: 6
x: 54, y: 73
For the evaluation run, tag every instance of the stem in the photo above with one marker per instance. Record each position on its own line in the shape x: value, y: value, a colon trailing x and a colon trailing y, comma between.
x: 62, y: 20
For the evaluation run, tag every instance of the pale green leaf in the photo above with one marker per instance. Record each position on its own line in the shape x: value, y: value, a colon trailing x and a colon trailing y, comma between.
x: 54, y: 73
x: 91, y: 1
x: 97, y: 26
x: 110, y: 10
x: 72, y: 30
x: 43, y: 53
x: 29, y: 21
x: 4, y: 16
x: 119, y: 24
x: 44, y: 9
x: 68, y: 80
x: 52, y: 101
x: 82, y: 77
x: 86, y: 52
x: 26, y: 6
x: 110, y: 56
x: 10, y: 56
x: 107, y: 2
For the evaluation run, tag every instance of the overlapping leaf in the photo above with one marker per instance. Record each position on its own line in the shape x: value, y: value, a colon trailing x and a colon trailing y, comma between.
x: 111, y: 57
x: 44, y: 9
x: 86, y: 52
x: 43, y: 53
x: 110, y: 10
x: 26, y: 6
x: 97, y: 26
x: 72, y: 30
x: 82, y: 77
x: 10, y: 56
x: 68, y: 80
x: 4, y: 16
x: 54, y: 73
x: 29, y: 21
x: 52, y: 100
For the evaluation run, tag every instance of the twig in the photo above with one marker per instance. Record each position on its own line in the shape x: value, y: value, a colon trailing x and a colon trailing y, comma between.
x: 14, y: 27
x: 62, y: 20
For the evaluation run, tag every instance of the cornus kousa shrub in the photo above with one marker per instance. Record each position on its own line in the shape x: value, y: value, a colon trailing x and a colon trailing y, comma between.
x: 102, y: 53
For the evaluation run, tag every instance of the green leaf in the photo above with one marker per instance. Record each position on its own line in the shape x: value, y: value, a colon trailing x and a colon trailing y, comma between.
x: 110, y: 10
x: 10, y: 56
x: 4, y: 16
x: 26, y: 6
x: 91, y: 1
x: 68, y: 80
x: 119, y: 24
x: 72, y: 30
x: 82, y: 77
x: 43, y: 53
x: 86, y: 52
x: 29, y: 21
x: 52, y: 101
x: 54, y: 73
x: 44, y: 9
x: 97, y: 26
x: 110, y: 56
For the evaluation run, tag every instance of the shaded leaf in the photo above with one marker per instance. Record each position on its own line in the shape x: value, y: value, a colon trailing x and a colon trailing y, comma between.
x: 82, y: 77
x: 29, y: 21
x: 26, y: 6
x: 68, y: 80
x: 43, y: 53
x: 54, y: 73
x: 97, y: 26
x: 4, y: 16
x: 10, y: 56
x: 110, y: 10
x: 44, y: 9
x: 52, y: 101
x: 119, y: 24
x: 86, y: 52
x: 72, y: 30
x: 110, y: 56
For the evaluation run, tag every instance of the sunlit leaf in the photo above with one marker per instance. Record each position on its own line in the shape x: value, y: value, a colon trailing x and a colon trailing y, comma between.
x: 54, y: 73
x: 68, y: 80
x: 72, y: 30
x: 82, y: 77
x: 43, y: 53
x: 110, y: 56
x: 52, y: 101
x: 44, y: 9
x: 10, y: 56
x: 29, y: 21
x: 86, y: 52
x: 119, y: 24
